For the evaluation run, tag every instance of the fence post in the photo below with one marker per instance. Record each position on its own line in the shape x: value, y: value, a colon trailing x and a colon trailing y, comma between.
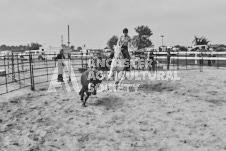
x: 168, y: 59
x: 86, y: 58
x: 201, y: 61
x: 55, y: 60
x: 178, y: 60
x: 6, y: 75
x: 33, y: 79
x: 196, y: 58
x: 82, y: 60
x: 13, y: 73
x: 186, y: 60
x: 12, y: 65
x: 217, y: 60
x: 31, y: 76
x: 69, y: 66
x: 8, y: 64
x: 156, y: 64
x: 18, y: 68
x: 173, y: 63
x: 46, y: 62
x: 209, y: 61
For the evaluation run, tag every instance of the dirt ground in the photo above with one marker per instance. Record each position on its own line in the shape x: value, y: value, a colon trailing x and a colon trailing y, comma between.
x: 184, y: 115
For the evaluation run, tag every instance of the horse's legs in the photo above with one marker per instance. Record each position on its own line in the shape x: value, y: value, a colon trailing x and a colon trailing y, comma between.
x: 108, y: 78
x: 82, y: 94
x: 116, y: 77
x: 111, y: 69
x: 110, y: 73
x: 122, y: 77
x: 86, y: 98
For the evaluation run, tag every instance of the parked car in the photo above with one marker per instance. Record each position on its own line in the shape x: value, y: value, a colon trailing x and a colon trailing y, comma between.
x: 36, y: 54
x: 4, y: 54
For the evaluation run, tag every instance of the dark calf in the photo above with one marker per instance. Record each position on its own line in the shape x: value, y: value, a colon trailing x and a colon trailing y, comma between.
x: 90, y: 80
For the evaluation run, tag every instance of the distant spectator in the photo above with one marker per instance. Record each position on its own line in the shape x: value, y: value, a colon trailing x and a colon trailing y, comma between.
x: 153, y: 62
x: 60, y: 65
x: 201, y: 57
x: 210, y: 56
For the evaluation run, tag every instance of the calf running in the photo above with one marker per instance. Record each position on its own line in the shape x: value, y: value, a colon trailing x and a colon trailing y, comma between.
x: 90, y: 80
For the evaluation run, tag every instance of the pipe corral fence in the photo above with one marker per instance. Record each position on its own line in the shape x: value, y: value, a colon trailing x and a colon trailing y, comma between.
x: 18, y: 73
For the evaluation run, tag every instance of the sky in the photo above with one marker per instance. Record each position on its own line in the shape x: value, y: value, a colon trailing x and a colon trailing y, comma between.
x: 94, y: 22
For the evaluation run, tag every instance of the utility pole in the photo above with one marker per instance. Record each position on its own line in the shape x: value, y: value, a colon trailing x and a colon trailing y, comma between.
x: 162, y: 39
x: 62, y: 41
x: 68, y: 36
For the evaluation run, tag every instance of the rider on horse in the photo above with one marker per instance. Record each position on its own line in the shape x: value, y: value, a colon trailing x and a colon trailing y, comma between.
x: 124, y: 42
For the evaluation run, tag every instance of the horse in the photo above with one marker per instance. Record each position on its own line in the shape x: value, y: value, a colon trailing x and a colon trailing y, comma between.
x: 117, y: 65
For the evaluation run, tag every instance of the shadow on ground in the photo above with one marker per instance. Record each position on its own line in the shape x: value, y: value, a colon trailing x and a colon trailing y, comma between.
x: 109, y: 102
x: 159, y: 87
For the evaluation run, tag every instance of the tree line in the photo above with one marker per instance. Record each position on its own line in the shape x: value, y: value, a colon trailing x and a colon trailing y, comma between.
x: 21, y: 48
x: 140, y: 40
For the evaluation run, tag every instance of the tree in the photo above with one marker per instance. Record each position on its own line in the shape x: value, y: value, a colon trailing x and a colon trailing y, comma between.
x: 200, y: 41
x: 21, y: 48
x: 34, y: 46
x: 181, y: 48
x: 112, y: 41
x: 79, y: 48
x: 142, y: 40
x: 72, y: 48
x: 3, y: 47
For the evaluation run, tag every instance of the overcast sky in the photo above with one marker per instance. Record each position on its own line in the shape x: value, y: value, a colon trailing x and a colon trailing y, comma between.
x: 93, y: 22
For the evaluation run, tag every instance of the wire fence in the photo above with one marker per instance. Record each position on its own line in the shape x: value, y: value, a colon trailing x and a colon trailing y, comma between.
x: 18, y: 73
x: 181, y: 60
x: 23, y: 72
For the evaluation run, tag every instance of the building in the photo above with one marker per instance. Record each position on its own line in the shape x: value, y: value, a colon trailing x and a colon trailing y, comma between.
x: 97, y: 52
x: 162, y: 48
x: 166, y: 48
x: 217, y: 47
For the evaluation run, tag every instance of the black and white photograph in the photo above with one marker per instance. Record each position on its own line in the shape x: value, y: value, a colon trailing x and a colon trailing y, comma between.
x: 112, y: 75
